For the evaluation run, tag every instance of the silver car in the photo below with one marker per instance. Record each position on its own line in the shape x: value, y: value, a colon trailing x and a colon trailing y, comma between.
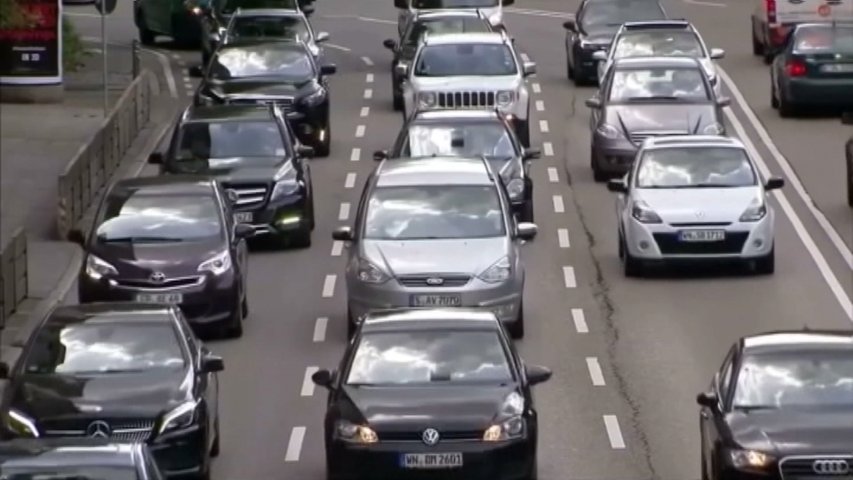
x: 274, y: 24
x: 435, y: 232
x: 694, y: 198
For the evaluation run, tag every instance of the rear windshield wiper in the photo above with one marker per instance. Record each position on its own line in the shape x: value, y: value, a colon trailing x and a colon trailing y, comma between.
x: 140, y: 240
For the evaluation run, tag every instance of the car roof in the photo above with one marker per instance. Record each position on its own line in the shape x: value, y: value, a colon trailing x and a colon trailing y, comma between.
x: 657, y: 62
x: 675, y: 141
x: 206, y: 113
x: 454, y: 114
x: 430, y: 319
x: 430, y: 14
x: 165, y: 185
x: 110, y: 312
x: 463, y: 38
x: 403, y: 172
x: 268, y: 12
x: 69, y: 452
x: 798, y: 340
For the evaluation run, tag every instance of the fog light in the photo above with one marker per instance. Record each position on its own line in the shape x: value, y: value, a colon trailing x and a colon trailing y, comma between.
x: 758, y: 243
x: 644, y: 245
x: 289, y: 220
x: 322, y: 135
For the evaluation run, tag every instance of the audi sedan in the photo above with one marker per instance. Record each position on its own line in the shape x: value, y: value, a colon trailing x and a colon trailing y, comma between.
x: 431, y: 394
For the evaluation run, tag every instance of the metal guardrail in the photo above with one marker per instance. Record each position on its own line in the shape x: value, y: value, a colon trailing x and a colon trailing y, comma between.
x: 95, y: 164
x: 14, y: 281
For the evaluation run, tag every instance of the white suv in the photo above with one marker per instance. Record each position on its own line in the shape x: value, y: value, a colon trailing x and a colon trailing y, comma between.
x: 469, y: 70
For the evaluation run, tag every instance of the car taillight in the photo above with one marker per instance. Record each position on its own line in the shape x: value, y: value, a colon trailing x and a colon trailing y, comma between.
x: 795, y: 68
x: 770, y: 7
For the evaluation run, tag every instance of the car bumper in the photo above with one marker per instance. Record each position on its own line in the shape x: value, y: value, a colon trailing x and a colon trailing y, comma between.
x: 821, y: 92
x: 181, y: 453
x: 314, y: 124
x: 729, y: 473
x: 613, y: 156
x: 281, y: 217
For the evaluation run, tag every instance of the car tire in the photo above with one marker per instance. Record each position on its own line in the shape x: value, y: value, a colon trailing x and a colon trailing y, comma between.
x: 214, y: 449
x: 757, y: 47
x: 398, y: 103
x: 351, y: 326
x: 570, y: 72
x: 234, y: 327
x: 630, y: 265
x: 766, y: 265
x: 205, y: 59
x: 597, y: 174
x: 244, y: 306
x: 516, y: 329
x: 786, y: 108
x: 526, y: 213
x: 523, y: 132
x: 849, y: 181
x: 774, y: 101
x: 146, y: 36
x: 534, y: 471
x: 300, y: 238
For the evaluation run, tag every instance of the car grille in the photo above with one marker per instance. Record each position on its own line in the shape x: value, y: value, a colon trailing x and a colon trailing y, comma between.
x: 803, y: 468
x: 428, y: 280
x: 124, y: 430
x: 248, y: 196
x: 640, y: 137
x: 669, y: 244
x: 466, y: 99
x: 168, y: 283
x: 450, y: 436
x: 701, y: 224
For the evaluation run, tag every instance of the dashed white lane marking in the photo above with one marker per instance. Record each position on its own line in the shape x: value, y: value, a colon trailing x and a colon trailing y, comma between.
x: 343, y: 213
x: 543, y: 126
x: 365, y: 111
x: 548, y: 149
x: 350, y: 181
x: 368, y: 93
x: 338, y: 47
x: 569, y: 277
x: 540, y: 106
x: 294, y: 445
x: 580, y: 320
x: 563, y: 237
x: 553, y: 177
x: 337, y: 248
x: 706, y: 4
x: 376, y: 20
x: 359, y: 131
x: 369, y: 78
x: 329, y: 286
x: 355, y: 155
x: 536, y: 88
x: 558, y: 204
x: 614, y: 433
x: 308, y: 384
x: 595, y: 372
x: 320, y: 329
x: 367, y: 61
x: 187, y: 79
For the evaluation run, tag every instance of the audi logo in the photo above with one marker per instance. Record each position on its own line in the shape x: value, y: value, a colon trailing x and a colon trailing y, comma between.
x: 831, y: 467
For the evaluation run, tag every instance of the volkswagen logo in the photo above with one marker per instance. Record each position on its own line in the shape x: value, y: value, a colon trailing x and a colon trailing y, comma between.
x: 99, y: 429
x: 435, y: 281
x: 158, y: 277
x: 700, y: 214
x: 831, y: 467
x: 430, y: 436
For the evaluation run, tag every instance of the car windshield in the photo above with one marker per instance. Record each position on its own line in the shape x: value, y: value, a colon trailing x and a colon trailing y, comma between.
x: 444, y: 25
x: 658, y: 44
x: 257, y: 142
x: 11, y: 471
x: 434, y: 212
x: 824, y: 39
x: 231, y: 6
x: 140, y: 217
x: 291, y: 66
x: 432, y: 4
x: 491, y: 140
x: 109, y: 347
x: 664, y: 84
x: 293, y: 27
x: 485, y: 59
x: 795, y: 379
x: 419, y: 357
x: 706, y: 167
x: 613, y: 14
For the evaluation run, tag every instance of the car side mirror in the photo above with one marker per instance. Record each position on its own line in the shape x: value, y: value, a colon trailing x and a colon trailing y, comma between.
x: 401, y: 70
x: 212, y: 364
x: 343, y: 234
x: 593, y: 103
x: 529, y: 68
x: 323, y: 378
x: 774, y: 183
x: 527, y: 231
x: 196, y: 71
x: 724, y: 101
x: 532, y: 153
x: 328, y: 69
x: 244, y: 230
x: 390, y: 44
x: 156, y: 158
x: 76, y: 236
x: 707, y: 399
x: 380, y: 155
x: 600, y: 55
x: 570, y: 25
x: 4, y: 370
x: 717, y: 53
x: 305, y: 151
x: 322, y: 37
x: 401, y: 4
x: 537, y: 374
x: 617, y: 185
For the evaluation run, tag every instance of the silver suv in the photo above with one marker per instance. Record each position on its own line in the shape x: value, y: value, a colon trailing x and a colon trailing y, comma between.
x: 435, y: 232
x: 469, y: 70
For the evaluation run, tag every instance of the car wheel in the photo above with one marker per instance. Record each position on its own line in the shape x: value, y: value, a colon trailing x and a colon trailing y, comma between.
x: 766, y: 265
x: 300, y: 238
x: 570, y: 72
x: 757, y: 47
x: 516, y: 329
x: 234, y: 327
x: 621, y: 247
x: 631, y: 266
x: 214, y: 450
x: 768, y: 57
x: 786, y: 108
x: 146, y: 36
x: 350, y: 324
x: 205, y: 59
x: 774, y: 101
x: 526, y: 214
x: 849, y: 181
x: 244, y: 306
x: 398, y: 103
x: 597, y: 174
x: 523, y: 132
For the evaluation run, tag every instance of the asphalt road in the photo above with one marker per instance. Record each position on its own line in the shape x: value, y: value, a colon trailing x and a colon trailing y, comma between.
x: 628, y: 356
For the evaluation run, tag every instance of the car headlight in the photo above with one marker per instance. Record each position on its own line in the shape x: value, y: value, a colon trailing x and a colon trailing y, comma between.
x: 506, y: 430
x: 714, y: 129
x: 755, y: 211
x: 179, y: 417
x: 370, y: 273
x: 608, y: 131
x: 218, y: 264
x: 315, y: 98
x: 515, y: 188
x: 504, y: 98
x: 498, y: 272
x: 286, y: 183
x: 352, y: 433
x: 97, y: 267
x: 750, y: 459
x: 21, y: 424
x: 427, y: 99
x: 643, y: 213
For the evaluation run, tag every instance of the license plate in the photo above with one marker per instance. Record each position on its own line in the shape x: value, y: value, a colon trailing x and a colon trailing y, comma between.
x: 243, y: 217
x: 171, y: 298
x: 431, y: 460
x: 702, y: 235
x: 436, y: 300
x: 837, y: 68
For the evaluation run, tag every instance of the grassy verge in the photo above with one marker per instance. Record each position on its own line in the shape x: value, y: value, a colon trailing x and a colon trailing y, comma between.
x: 73, y: 51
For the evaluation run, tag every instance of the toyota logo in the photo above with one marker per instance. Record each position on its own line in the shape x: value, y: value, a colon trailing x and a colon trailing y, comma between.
x: 831, y: 467
x: 99, y: 429
x: 435, y: 281
x: 158, y: 277
x: 430, y: 436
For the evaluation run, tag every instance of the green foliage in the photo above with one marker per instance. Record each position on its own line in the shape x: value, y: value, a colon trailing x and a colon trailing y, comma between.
x: 12, y: 15
x: 73, y: 51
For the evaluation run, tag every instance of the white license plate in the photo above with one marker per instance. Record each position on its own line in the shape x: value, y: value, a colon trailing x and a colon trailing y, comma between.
x: 431, y: 460
x: 436, y: 300
x: 243, y: 217
x: 171, y: 298
x: 837, y: 68
x: 702, y: 235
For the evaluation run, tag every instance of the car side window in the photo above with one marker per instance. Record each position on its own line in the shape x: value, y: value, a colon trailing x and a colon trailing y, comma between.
x: 189, y: 336
x: 362, y: 204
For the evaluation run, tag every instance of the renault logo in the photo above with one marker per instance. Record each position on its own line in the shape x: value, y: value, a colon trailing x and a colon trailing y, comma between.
x: 99, y: 429
x: 430, y: 436
x: 435, y: 281
x: 158, y: 277
x: 831, y: 467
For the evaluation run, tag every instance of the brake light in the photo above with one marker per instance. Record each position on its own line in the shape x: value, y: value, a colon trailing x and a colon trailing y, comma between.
x: 795, y: 68
x: 770, y: 7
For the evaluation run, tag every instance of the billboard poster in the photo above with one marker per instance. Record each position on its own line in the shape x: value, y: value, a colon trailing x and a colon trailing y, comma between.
x: 31, y: 53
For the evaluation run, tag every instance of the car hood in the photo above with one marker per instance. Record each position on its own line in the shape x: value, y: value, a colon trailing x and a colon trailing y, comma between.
x: 699, y: 205
x: 410, y: 257
x: 685, y: 118
x: 600, y: 35
x: 463, y: 82
x: 791, y: 432
x: 237, y: 169
x: 259, y: 89
x: 142, y: 259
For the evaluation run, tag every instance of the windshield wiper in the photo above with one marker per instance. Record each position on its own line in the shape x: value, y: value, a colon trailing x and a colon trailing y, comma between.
x: 714, y: 185
x: 140, y: 240
x: 750, y: 408
x: 653, y: 98
x: 111, y: 370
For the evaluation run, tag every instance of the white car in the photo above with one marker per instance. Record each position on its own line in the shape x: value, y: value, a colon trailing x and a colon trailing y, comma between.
x: 668, y: 38
x: 491, y: 9
x: 694, y: 198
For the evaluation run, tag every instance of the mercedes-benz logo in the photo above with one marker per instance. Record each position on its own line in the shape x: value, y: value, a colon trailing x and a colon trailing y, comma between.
x: 158, y: 277
x: 831, y: 467
x: 435, y: 281
x: 430, y: 436
x: 99, y: 429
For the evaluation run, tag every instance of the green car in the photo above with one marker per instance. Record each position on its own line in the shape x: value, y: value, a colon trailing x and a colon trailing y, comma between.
x: 178, y: 19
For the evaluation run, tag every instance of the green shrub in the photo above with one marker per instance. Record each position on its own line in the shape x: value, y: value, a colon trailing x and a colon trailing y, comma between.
x: 73, y: 51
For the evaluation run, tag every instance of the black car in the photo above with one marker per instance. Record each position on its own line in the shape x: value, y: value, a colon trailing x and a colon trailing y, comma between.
x: 847, y: 119
x: 253, y: 152
x: 444, y: 21
x: 126, y: 372
x: 780, y: 408
x: 463, y: 408
x: 472, y: 133
x: 76, y: 458
x: 593, y: 28
x: 281, y: 72
x: 168, y: 240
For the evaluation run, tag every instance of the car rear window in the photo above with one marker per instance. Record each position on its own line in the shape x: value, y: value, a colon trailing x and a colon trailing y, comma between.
x: 815, y: 40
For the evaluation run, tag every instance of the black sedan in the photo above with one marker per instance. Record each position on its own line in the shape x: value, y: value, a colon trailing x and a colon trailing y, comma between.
x: 125, y: 372
x: 281, y: 72
x: 168, y: 240
x: 779, y: 408
x: 457, y: 402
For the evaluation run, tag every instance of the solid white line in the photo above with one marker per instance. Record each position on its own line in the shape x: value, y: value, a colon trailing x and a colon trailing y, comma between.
x: 368, y: 93
x: 356, y: 155
x: 329, y: 286
x: 359, y: 131
x: 343, y: 213
x: 805, y: 237
x: 369, y: 78
x: 614, y: 433
x: 594, y: 372
x: 706, y: 4
x: 558, y: 204
x: 536, y: 88
x: 563, y: 237
x: 308, y: 384
x: 320, y: 329
x: 540, y: 106
x: 294, y: 445
x: 337, y: 248
x: 569, y: 277
x: 338, y: 47
x: 552, y: 175
x: 350, y: 181
x: 548, y: 149
x: 376, y: 20
x: 789, y: 172
x: 543, y: 126
x: 367, y: 61
x: 365, y: 111
x: 580, y: 320
x: 167, y: 71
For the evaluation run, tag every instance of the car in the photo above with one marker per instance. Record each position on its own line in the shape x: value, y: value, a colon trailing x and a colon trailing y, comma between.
x: 465, y: 70
x: 253, y: 152
x: 168, y: 240
x: 773, y: 20
x: 847, y: 119
x: 284, y: 73
x: 433, y: 232
x: 126, y: 372
x: 491, y: 9
x: 779, y: 408
x: 694, y: 198
x: 78, y: 458
x: 456, y: 21
x: 593, y: 28
x: 646, y: 97
x: 668, y: 38
x: 457, y: 400
x: 814, y: 69
x: 178, y: 19
x: 472, y: 133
